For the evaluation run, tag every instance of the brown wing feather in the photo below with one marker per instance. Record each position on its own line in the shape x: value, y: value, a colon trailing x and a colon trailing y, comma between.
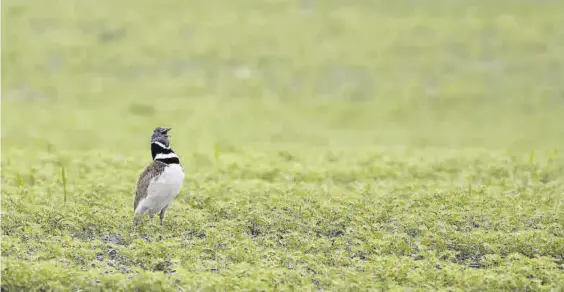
x: 152, y: 170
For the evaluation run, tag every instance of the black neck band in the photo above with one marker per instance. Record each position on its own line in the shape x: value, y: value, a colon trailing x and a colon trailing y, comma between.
x: 158, y: 149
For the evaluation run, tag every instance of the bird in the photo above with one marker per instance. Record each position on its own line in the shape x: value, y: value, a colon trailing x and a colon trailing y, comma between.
x: 161, y: 180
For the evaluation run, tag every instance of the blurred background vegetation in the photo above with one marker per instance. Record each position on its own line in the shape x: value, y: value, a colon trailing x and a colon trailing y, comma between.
x: 102, y: 74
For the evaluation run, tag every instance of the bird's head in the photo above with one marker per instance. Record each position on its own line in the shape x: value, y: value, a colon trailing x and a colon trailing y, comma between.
x: 161, y: 136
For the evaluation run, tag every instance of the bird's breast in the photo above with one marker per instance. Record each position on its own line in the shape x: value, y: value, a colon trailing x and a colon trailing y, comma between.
x: 172, y: 174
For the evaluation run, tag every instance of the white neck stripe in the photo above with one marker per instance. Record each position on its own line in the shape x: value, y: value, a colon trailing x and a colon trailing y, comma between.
x: 165, y: 156
x: 160, y: 144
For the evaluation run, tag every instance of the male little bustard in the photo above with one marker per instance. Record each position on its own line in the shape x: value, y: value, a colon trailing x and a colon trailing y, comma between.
x: 161, y: 180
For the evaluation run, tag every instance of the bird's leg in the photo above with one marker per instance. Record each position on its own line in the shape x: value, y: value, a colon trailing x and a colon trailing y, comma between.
x: 136, y: 219
x: 161, y: 215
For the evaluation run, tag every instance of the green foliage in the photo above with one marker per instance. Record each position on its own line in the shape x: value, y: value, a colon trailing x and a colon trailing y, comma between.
x: 404, y: 221
x: 327, y: 146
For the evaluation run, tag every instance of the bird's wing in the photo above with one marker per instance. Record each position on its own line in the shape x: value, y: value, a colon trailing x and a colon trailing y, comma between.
x: 152, y: 170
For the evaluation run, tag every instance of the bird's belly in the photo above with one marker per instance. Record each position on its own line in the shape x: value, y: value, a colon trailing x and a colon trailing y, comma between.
x: 162, y: 191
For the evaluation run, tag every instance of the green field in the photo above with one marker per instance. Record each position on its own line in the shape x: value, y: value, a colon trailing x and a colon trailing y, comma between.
x: 376, y: 145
